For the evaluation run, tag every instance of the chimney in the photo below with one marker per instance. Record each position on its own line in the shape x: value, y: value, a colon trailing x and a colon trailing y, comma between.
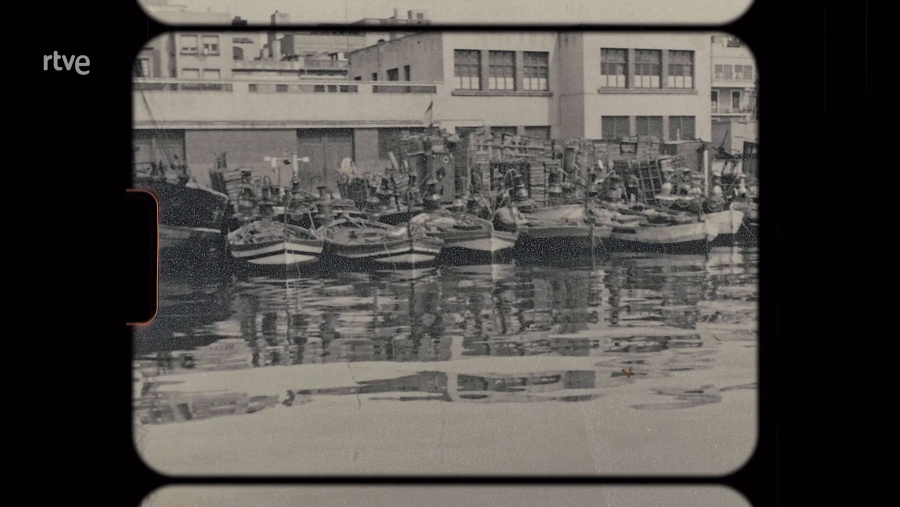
x: 396, y: 13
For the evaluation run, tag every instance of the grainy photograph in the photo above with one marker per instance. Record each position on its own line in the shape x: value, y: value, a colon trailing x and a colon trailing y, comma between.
x: 418, y: 252
x: 445, y: 496
x: 504, y: 12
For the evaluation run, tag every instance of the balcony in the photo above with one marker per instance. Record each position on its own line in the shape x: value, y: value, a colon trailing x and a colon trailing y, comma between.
x: 730, y: 111
x: 287, y: 65
x: 321, y: 103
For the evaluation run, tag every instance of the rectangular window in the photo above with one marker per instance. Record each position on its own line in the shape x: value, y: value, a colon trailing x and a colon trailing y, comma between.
x: 190, y: 73
x: 719, y: 72
x: 736, y: 101
x: 728, y: 74
x: 647, y: 68
x: 189, y: 44
x: 142, y: 67
x: 714, y: 95
x: 210, y: 44
x: 748, y: 72
x: 374, y: 76
x: 541, y: 132
x: 511, y: 131
x: 407, y: 73
x: 681, y: 128
x: 393, y: 75
x: 649, y: 126
x: 681, y: 69
x: 615, y: 127
x: 739, y: 72
x: 502, y: 69
x: 212, y: 74
x: 613, y: 68
x: 536, y: 71
x: 467, y: 69
x: 358, y: 78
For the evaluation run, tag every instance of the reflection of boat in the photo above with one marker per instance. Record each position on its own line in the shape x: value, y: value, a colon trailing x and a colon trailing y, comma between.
x: 363, y: 242
x: 560, y: 229
x: 191, y: 218
x: 269, y: 243
x: 467, y: 239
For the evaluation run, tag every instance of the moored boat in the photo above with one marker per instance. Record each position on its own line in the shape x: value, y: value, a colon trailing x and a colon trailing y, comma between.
x: 727, y: 224
x: 192, y: 218
x: 353, y: 242
x: 692, y: 235
x: 269, y: 244
x: 560, y: 230
x: 467, y: 239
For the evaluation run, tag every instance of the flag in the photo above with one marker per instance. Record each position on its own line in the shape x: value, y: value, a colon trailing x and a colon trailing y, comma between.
x: 429, y: 115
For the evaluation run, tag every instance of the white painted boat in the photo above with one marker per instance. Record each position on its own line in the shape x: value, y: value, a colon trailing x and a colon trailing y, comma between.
x: 266, y: 243
x: 726, y: 222
x: 363, y: 242
x: 560, y: 230
x: 467, y: 239
x: 670, y: 238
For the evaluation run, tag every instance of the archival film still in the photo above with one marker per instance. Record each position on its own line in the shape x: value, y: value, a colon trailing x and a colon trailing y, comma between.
x: 449, y: 253
x: 410, y: 12
x: 445, y: 496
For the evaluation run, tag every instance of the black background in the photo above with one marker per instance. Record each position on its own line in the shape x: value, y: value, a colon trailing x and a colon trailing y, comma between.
x: 77, y: 131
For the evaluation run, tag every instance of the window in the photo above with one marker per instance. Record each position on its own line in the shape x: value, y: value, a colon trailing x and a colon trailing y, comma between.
x: 238, y: 53
x: 282, y: 88
x: 743, y: 72
x: 681, y: 69
x: 649, y: 126
x: 358, y: 78
x: 727, y: 72
x: 467, y: 69
x: 681, y: 128
x: 374, y: 76
x: 142, y: 67
x: 212, y: 74
x: 615, y: 127
x: 393, y: 75
x: 613, y: 68
x: 420, y: 16
x: 502, y: 70
x: 510, y: 131
x: 407, y: 73
x: 736, y: 101
x: 714, y: 95
x: 647, y: 68
x: 719, y: 72
x: 189, y: 44
x: 190, y: 73
x: 210, y: 44
x: 536, y: 71
x: 541, y: 132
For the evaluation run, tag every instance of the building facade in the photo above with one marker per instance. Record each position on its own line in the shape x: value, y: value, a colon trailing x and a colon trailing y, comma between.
x: 550, y: 84
x: 733, y: 94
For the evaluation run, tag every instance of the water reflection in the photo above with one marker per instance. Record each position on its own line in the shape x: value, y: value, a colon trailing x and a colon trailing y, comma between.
x: 660, y: 314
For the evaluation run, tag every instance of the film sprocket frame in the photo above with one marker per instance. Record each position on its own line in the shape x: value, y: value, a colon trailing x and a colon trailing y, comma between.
x: 142, y: 257
x: 737, y: 477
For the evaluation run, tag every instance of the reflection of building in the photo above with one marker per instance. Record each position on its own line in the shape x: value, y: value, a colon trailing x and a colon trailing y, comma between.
x: 733, y: 93
x: 559, y: 84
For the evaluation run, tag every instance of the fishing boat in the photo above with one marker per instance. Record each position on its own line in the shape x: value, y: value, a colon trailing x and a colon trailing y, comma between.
x: 266, y: 243
x: 355, y: 242
x: 558, y: 230
x: 467, y: 239
x: 192, y: 218
x: 667, y: 234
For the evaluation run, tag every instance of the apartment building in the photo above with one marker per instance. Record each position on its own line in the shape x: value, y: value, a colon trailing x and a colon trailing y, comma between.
x: 733, y: 94
x: 551, y: 84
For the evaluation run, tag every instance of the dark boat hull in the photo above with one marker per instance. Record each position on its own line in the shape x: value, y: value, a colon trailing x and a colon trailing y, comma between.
x: 560, y: 240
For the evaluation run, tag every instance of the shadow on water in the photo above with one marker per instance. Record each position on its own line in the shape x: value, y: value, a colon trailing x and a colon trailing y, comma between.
x: 659, y: 314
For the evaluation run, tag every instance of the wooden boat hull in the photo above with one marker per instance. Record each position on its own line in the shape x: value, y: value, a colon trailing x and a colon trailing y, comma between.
x: 291, y: 251
x: 727, y: 224
x: 561, y: 239
x: 477, y: 247
x: 681, y: 238
x: 398, y: 253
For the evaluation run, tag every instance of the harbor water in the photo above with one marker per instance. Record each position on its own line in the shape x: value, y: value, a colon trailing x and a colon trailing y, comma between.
x: 618, y: 364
